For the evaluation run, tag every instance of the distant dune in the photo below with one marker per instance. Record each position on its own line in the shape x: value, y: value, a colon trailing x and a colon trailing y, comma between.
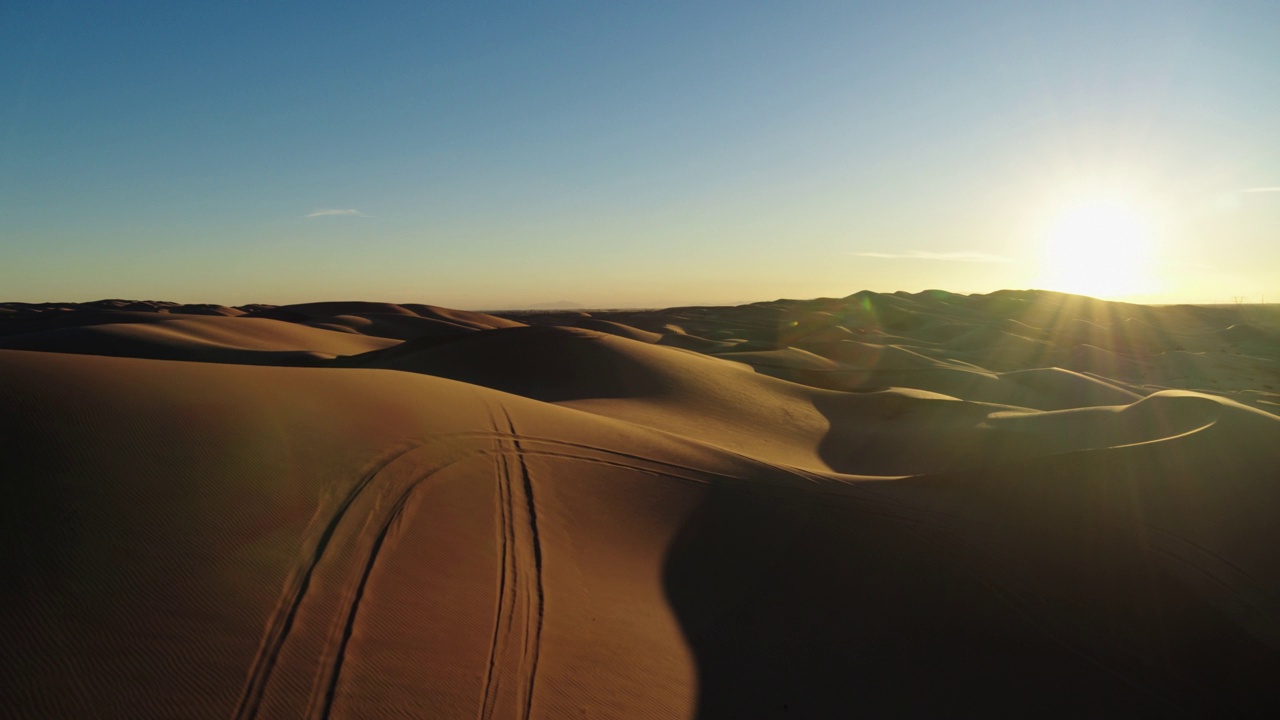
x: 1018, y: 504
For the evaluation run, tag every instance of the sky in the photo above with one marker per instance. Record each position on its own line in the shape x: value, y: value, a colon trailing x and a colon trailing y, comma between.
x: 637, y: 154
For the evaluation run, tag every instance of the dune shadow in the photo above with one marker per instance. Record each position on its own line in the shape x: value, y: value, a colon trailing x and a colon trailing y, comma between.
x: 829, y: 607
x: 1047, y: 586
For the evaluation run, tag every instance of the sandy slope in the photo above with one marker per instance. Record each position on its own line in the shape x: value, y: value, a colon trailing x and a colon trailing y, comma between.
x: 892, y: 505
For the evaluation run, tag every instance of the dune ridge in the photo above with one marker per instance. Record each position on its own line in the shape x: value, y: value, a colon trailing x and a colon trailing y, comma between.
x: 891, y: 504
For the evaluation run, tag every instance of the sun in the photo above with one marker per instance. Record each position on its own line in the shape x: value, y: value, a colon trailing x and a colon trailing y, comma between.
x: 1098, y: 247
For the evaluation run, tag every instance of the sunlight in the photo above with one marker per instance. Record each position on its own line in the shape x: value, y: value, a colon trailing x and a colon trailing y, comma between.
x: 1099, y: 247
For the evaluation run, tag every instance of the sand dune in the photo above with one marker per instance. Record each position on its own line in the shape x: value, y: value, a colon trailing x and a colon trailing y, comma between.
x: 204, y: 339
x: 892, y: 505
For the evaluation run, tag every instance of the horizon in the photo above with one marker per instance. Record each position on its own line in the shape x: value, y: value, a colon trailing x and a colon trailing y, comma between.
x: 551, y: 308
x: 485, y: 157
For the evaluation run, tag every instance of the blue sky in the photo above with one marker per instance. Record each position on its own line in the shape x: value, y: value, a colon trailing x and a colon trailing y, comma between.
x: 611, y: 154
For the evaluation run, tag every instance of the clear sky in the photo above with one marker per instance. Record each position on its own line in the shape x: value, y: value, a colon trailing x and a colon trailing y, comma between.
x: 488, y: 155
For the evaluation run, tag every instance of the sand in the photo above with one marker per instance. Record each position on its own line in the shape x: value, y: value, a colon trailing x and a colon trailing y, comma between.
x: 889, y: 505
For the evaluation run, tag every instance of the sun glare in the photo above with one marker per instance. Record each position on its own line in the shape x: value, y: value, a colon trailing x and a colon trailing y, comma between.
x: 1100, y: 248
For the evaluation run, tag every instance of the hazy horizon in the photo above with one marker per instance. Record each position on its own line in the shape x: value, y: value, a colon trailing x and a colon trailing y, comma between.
x: 490, y: 157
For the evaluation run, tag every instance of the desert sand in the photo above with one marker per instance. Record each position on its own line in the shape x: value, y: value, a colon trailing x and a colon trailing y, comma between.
x: 884, y: 505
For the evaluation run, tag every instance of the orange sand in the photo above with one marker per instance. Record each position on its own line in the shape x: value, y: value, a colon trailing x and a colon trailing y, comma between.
x: 901, y: 505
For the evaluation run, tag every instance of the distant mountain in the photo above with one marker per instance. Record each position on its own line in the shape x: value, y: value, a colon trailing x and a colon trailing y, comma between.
x: 558, y: 305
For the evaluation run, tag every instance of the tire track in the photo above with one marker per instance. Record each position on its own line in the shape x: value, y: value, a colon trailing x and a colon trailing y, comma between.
x: 515, y: 646
x: 286, y: 612
x: 516, y: 643
x: 393, y: 515
x: 1247, y: 601
x: 539, y: 608
x: 502, y: 616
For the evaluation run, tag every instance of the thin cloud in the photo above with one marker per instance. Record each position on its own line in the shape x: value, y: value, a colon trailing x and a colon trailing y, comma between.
x: 949, y: 256
x: 1273, y: 188
x: 330, y: 212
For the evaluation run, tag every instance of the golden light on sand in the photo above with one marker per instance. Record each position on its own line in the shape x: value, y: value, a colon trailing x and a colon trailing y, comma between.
x: 1100, y: 247
x: 366, y: 510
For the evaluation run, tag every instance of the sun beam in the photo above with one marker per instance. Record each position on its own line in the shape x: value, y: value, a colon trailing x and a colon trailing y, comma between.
x: 1099, y: 247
